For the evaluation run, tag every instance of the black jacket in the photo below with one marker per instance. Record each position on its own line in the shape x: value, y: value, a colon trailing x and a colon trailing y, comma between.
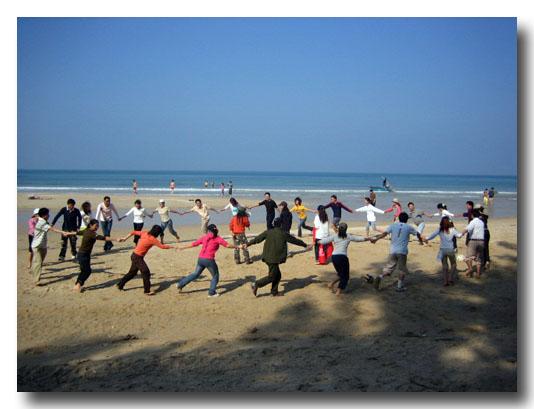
x: 72, y: 220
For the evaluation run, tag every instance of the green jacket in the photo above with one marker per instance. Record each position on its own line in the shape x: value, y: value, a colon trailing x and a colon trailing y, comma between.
x: 275, y: 247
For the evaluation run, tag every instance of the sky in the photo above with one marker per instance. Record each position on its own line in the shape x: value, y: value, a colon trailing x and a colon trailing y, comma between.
x: 390, y: 95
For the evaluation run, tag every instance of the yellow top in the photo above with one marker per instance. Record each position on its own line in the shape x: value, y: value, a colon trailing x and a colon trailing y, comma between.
x: 301, y: 211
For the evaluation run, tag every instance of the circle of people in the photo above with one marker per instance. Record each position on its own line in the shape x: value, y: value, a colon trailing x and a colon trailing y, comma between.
x: 326, y: 245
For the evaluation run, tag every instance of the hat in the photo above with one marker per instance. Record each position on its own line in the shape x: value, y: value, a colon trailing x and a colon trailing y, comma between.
x: 35, y: 211
x: 162, y: 200
x: 395, y: 200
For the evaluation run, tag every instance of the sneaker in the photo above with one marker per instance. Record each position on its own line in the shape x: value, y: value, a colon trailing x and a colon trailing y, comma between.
x: 237, y: 261
x: 213, y: 295
x: 61, y: 259
x: 248, y: 262
x: 119, y: 287
x: 254, y: 289
x: 400, y: 289
x: 376, y: 282
x: 179, y: 288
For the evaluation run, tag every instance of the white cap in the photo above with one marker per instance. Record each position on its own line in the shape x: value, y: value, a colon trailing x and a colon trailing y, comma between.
x: 162, y: 200
x: 35, y: 211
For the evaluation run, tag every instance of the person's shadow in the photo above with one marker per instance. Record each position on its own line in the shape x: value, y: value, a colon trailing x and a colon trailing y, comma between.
x: 298, y: 283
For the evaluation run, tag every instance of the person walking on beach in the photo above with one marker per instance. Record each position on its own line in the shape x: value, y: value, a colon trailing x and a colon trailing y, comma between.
x: 86, y: 215
x: 336, y: 206
x: 396, y: 208
x: 203, y: 211
x: 104, y: 215
x: 40, y: 242
x: 72, y: 220
x: 286, y: 218
x: 238, y: 224
x: 475, y: 248
x: 172, y: 186
x: 340, y: 260
x: 230, y: 188
x: 210, y: 243
x: 145, y: 243
x: 274, y: 254
x: 370, y: 210
x: 484, y: 217
x: 139, y: 214
x: 270, y: 207
x: 89, y: 238
x: 134, y: 186
x: 322, y: 229
x: 32, y: 221
x: 222, y: 189
x: 301, y: 211
x: 372, y: 197
x: 447, y: 253
x: 165, y: 219
x: 398, y: 253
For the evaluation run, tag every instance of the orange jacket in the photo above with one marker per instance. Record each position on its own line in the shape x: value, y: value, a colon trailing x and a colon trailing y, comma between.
x: 239, y: 224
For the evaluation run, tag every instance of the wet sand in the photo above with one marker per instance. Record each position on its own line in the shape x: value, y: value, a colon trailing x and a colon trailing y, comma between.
x: 430, y: 338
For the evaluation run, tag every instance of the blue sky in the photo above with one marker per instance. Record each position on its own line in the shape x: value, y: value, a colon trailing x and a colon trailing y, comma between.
x: 356, y: 95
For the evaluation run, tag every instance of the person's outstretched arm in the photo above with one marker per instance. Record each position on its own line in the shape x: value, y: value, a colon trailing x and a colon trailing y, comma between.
x: 258, y: 239
x: 432, y: 236
x: 58, y: 215
x: 293, y: 240
x: 348, y: 209
x: 114, y: 209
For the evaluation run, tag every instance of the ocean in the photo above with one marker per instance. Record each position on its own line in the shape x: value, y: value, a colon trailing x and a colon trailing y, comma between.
x: 313, y: 187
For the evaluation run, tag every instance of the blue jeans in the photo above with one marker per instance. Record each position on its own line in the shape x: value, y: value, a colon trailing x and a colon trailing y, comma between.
x: 203, y: 263
x: 106, y: 231
x: 302, y: 225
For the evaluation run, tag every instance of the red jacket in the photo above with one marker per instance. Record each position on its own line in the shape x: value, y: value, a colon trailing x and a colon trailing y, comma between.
x: 239, y: 224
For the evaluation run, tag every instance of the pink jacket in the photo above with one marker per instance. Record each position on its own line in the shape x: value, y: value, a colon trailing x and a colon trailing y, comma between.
x: 210, y: 245
x: 31, y: 225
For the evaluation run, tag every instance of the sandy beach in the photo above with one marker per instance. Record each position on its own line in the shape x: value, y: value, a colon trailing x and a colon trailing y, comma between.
x: 430, y: 338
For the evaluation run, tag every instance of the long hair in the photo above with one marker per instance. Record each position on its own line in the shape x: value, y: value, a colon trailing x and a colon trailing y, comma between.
x: 86, y: 207
x: 342, y: 230
x: 298, y: 201
x: 156, y: 230
x: 445, y: 224
x: 213, y: 230
x: 233, y: 202
x: 323, y: 217
x: 284, y: 207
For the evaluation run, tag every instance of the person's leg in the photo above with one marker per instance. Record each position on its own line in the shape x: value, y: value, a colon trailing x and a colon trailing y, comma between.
x: 162, y: 235
x: 63, y: 251
x: 204, y: 226
x: 316, y: 250
x: 403, y: 270
x: 131, y: 273
x: 235, y: 241
x: 269, y: 222
x: 480, y: 249
x: 275, y: 273
x: 305, y: 226
x: 342, y: 269
x: 172, y: 231
x: 85, y: 269
x: 445, y: 268
x: 243, y: 240
x: 145, y: 274
x: 453, y: 274
x: 73, y: 250
x: 367, y: 227
x: 387, y: 270
x: 201, y: 265
x: 336, y: 220
x: 30, y: 251
x: 214, y: 271
x: 299, y: 228
x: 37, y: 265
x: 262, y: 282
x: 486, y: 248
x: 137, y: 227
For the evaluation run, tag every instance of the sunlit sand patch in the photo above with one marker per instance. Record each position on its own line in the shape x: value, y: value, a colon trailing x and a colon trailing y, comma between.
x: 468, y: 298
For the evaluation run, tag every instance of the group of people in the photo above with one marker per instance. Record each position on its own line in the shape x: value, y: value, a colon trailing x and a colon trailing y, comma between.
x: 277, y: 235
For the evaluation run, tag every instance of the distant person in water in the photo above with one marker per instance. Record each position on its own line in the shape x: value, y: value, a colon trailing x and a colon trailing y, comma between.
x: 485, y: 197
x: 206, y: 184
x: 172, y: 185
x: 340, y: 260
x: 372, y: 197
x: 89, y: 238
x: 104, y: 215
x: 165, y: 219
x: 72, y: 220
x: 447, y: 253
x: 270, y: 207
x: 336, y: 206
x: 139, y: 213
x: 302, y: 215
x: 134, y: 186
x: 213, y: 185
x: 32, y: 221
x: 400, y: 237
x: 230, y: 188
x: 385, y: 183
x: 286, y: 218
x: 396, y: 209
x: 206, y: 259
x: 86, y: 215
x: 491, y: 195
x: 40, y: 242
x: 370, y: 210
x: 222, y: 189
x: 146, y: 241
x: 274, y: 254
x: 238, y: 225
x: 203, y: 211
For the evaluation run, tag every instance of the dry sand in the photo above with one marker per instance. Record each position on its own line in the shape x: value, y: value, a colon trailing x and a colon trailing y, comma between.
x: 430, y: 338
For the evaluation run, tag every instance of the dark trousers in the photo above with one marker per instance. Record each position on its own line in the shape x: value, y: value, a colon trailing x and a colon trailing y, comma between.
x: 269, y: 221
x: 84, y: 260
x: 486, y: 247
x: 341, y: 264
x: 137, y: 227
x: 106, y: 231
x: 138, y: 264
x: 316, y: 249
x: 64, y: 241
x: 274, y: 277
